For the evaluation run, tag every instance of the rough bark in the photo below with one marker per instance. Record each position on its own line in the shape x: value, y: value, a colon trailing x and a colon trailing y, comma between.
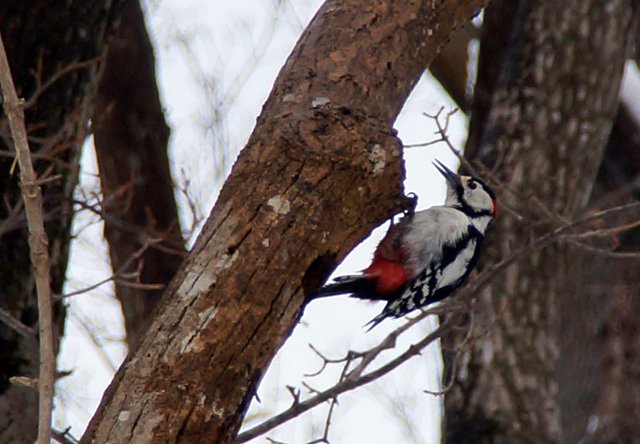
x: 615, y: 299
x: 600, y: 356
x: 321, y: 169
x: 618, y: 411
x: 131, y: 136
x: 547, y: 124
x: 43, y: 39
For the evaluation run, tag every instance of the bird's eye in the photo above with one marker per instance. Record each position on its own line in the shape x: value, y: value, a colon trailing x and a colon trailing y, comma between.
x: 472, y: 185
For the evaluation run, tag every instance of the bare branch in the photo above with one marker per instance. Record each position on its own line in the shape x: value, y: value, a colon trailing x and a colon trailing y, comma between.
x: 605, y: 232
x: 120, y: 273
x: 349, y: 383
x: 476, y: 170
x: 63, y: 436
x: 98, y: 345
x: 24, y: 381
x: 38, y: 244
x: 41, y: 87
x: 15, y: 324
x: 607, y: 253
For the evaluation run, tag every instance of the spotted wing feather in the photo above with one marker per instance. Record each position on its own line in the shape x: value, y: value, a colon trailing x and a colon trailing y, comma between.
x: 438, y: 279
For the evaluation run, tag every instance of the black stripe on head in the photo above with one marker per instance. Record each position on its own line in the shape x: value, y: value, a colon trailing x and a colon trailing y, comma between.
x: 466, y: 208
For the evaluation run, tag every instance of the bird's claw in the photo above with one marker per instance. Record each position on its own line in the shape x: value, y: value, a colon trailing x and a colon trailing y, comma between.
x: 410, y: 203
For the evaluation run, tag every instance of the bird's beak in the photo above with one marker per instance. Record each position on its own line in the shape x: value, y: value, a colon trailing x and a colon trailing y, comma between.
x: 451, y: 177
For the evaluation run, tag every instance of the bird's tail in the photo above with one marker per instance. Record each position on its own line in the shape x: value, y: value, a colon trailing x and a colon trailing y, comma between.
x: 375, y: 321
x: 357, y: 285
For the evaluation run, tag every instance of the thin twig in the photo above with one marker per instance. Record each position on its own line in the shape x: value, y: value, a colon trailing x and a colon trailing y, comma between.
x: 423, y: 144
x: 42, y: 87
x: 605, y: 232
x: 470, y: 167
x: 543, y: 241
x: 15, y: 217
x: 24, y: 381
x: 63, y: 436
x: 98, y: 345
x: 120, y: 272
x: 15, y: 324
x: 159, y: 239
x: 348, y: 384
x: 607, y: 253
x: 454, y: 369
x: 295, y: 394
x: 38, y: 244
x: 334, y: 402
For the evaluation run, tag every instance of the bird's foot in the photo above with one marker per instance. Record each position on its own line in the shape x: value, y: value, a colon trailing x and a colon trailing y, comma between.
x: 409, y: 204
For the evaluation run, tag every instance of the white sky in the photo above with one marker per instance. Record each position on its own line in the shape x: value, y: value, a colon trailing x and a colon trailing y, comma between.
x: 239, y: 49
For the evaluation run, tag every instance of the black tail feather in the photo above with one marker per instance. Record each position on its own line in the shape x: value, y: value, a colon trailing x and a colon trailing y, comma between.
x: 355, y: 285
x: 375, y: 321
x: 358, y: 286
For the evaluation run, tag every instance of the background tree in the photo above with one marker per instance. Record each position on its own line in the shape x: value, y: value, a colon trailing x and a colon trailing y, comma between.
x: 57, y: 69
x: 543, y: 110
x: 138, y: 203
x: 54, y: 63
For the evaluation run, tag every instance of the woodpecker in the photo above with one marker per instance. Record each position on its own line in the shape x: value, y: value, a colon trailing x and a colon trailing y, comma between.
x: 426, y: 255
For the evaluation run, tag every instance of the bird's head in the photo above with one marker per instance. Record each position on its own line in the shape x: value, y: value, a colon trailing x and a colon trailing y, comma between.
x: 469, y: 194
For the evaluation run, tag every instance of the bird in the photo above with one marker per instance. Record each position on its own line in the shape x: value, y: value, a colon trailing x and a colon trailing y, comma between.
x: 428, y: 254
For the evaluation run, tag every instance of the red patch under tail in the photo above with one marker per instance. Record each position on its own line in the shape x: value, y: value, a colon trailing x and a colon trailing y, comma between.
x: 389, y: 275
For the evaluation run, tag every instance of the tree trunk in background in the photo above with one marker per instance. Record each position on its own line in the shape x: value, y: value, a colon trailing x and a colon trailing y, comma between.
x: 131, y: 136
x: 548, y: 119
x: 321, y: 169
x: 495, y: 38
x: 42, y: 38
x: 614, y: 299
x: 450, y: 67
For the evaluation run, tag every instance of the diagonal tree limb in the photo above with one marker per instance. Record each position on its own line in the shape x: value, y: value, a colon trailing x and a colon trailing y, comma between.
x: 300, y: 195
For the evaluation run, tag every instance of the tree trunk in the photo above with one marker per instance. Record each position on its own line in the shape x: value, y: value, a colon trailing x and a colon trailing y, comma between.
x: 549, y: 118
x: 614, y: 297
x: 44, y: 40
x: 321, y: 169
x: 450, y: 67
x: 131, y: 137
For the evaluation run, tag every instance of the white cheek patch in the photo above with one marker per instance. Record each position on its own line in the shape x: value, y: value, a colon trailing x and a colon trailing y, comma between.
x: 478, y: 199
